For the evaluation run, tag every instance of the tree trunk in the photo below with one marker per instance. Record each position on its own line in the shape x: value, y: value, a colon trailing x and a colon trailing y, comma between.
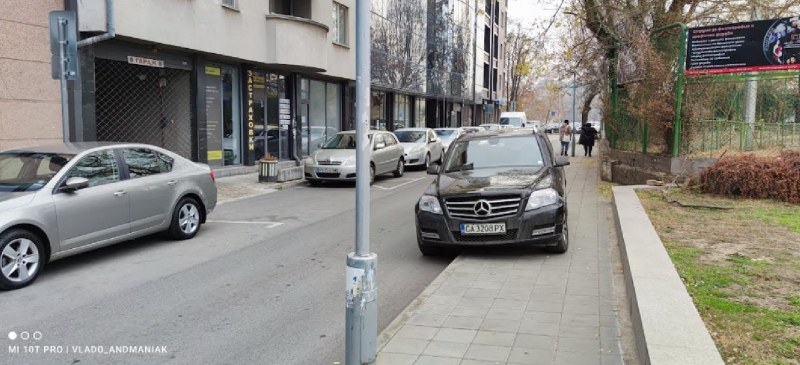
x: 587, y: 106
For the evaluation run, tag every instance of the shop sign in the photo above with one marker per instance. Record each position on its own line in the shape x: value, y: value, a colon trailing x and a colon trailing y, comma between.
x: 251, y: 124
x: 149, y: 62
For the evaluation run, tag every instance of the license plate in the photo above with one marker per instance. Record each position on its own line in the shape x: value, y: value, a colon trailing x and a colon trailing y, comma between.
x: 327, y: 170
x: 484, y: 228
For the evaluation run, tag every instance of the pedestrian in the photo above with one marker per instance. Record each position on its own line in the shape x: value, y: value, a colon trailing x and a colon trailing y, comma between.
x: 588, y: 136
x: 564, y: 134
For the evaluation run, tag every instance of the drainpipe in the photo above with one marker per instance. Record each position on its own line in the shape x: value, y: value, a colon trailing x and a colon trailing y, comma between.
x: 110, y: 28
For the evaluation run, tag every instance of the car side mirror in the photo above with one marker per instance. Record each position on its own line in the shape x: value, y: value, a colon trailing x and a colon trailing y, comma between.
x: 433, y: 169
x: 74, y: 184
x: 562, y: 161
x: 380, y: 146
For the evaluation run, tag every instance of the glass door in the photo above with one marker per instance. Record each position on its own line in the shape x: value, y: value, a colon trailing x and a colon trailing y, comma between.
x: 231, y: 117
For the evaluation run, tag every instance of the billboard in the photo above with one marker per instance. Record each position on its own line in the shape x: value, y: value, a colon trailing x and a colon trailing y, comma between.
x: 765, y: 45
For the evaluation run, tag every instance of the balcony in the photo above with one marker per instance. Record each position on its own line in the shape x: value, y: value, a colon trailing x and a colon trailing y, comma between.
x: 295, y: 43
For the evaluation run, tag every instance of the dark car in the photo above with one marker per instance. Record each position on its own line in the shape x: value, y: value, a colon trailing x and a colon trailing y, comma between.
x: 495, y: 188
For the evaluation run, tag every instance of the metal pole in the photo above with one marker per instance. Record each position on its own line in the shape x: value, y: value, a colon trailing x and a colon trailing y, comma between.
x: 750, y: 93
x: 361, y: 320
x: 62, y: 51
x: 572, y: 135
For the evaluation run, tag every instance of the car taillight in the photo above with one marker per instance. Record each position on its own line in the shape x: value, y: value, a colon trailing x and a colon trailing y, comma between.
x: 214, y: 179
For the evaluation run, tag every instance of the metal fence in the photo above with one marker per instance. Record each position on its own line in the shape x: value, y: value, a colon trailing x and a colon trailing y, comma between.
x: 705, y: 116
x: 714, y: 114
x: 144, y: 105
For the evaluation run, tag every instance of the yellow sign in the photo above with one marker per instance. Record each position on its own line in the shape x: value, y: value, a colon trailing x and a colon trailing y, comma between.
x: 214, y: 71
x: 214, y: 155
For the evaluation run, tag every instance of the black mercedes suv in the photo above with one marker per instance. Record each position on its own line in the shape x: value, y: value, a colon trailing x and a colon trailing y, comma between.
x: 495, y: 188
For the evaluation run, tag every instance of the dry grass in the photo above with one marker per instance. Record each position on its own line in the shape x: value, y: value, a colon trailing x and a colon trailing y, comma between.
x: 742, y: 268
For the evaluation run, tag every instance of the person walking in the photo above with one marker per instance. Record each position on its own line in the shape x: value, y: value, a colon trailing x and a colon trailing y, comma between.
x: 588, y: 136
x: 564, y: 134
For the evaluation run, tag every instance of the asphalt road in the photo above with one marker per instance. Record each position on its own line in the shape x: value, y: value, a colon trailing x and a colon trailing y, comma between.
x: 262, y: 283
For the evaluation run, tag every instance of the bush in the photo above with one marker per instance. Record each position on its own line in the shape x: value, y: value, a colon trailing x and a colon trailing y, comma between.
x: 755, y: 177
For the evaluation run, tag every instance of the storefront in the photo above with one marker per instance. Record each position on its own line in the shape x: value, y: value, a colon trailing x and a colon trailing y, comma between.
x: 223, y: 115
x: 319, y: 113
x: 268, y: 113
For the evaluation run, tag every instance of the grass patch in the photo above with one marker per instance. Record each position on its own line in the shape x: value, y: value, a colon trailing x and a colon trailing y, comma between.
x: 604, y: 189
x: 740, y: 266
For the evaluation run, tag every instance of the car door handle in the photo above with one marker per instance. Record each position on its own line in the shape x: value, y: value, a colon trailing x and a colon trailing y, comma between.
x: 120, y: 193
x: 172, y: 182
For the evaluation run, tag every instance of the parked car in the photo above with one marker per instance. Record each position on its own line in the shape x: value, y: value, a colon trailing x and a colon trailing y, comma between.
x: 491, y: 126
x: 64, y: 199
x: 552, y: 128
x: 448, y: 135
x: 336, y: 159
x: 473, y: 129
x: 421, y: 145
x: 495, y: 189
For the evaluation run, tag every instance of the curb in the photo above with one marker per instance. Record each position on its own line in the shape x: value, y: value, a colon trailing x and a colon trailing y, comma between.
x: 268, y: 188
x: 667, y: 327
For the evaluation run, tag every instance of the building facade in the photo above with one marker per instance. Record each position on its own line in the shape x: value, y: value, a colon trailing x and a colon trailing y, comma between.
x: 224, y: 82
x: 30, y: 101
x: 227, y: 82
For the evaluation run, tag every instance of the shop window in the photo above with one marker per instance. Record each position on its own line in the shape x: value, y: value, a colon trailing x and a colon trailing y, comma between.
x: 378, y: 111
x: 339, y: 24
x: 320, y: 112
x: 402, y: 112
x: 420, y: 119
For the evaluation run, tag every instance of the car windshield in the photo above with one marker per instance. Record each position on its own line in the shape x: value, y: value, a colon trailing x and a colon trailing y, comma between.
x: 511, y: 152
x: 411, y: 136
x: 517, y: 122
x: 343, y: 141
x: 446, y: 133
x: 29, y: 171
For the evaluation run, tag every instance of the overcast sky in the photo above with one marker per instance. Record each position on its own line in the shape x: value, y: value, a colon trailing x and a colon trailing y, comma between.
x: 529, y: 11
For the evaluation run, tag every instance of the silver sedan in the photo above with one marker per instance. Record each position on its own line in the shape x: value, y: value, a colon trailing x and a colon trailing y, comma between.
x: 61, y: 200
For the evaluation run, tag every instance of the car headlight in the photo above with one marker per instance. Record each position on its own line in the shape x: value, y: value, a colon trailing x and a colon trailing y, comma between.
x: 429, y: 203
x: 541, y: 198
x: 349, y: 162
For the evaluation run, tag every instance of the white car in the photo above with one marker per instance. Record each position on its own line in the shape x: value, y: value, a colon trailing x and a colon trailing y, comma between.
x: 421, y: 145
x: 336, y: 159
x: 448, y: 135
x: 491, y: 126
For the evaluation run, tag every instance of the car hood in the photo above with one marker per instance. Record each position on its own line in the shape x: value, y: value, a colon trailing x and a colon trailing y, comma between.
x: 409, y: 146
x: 487, y: 179
x: 333, y: 155
x: 13, y: 200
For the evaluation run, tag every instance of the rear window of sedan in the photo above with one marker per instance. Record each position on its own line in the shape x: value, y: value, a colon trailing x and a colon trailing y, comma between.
x: 522, y: 151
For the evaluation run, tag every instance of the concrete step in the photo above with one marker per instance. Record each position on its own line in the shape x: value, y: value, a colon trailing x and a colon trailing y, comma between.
x: 290, y: 173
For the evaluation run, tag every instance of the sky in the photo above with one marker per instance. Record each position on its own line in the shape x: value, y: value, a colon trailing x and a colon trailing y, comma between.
x: 529, y: 11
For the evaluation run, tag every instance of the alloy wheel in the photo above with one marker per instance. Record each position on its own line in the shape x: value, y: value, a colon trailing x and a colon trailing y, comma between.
x: 189, y: 218
x: 19, y: 260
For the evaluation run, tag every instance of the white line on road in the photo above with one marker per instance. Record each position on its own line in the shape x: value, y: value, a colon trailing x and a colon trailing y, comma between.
x: 397, y: 186
x: 270, y: 224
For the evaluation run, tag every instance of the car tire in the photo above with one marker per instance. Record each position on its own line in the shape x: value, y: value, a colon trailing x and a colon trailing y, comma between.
x: 427, y: 161
x: 34, y: 250
x: 401, y: 167
x: 563, y: 243
x: 314, y: 182
x: 185, y: 219
x: 371, y: 174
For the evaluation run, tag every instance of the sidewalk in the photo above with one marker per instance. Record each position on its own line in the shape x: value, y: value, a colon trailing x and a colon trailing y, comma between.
x: 518, y: 306
x: 240, y: 187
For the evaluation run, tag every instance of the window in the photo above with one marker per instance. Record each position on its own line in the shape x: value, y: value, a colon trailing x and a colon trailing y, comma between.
x: 28, y: 171
x: 339, y: 24
x: 99, y: 168
x: 141, y: 162
x: 519, y: 152
x: 165, y: 162
x: 379, y: 139
x: 233, y: 4
x: 390, y: 140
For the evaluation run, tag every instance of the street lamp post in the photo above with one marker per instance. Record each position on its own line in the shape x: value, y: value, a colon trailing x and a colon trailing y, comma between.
x: 361, y: 292
x: 572, y: 135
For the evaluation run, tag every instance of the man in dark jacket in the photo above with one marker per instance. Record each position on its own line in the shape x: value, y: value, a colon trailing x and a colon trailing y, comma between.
x: 588, y: 136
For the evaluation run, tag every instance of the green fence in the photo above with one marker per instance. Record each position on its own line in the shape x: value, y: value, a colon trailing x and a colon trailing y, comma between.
x: 703, y: 116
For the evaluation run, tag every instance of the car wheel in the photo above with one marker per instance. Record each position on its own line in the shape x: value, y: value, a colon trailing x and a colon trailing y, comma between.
x: 427, y: 161
x: 21, y: 258
x: 401, y: 167
x: 185, y: 219
x: 371, y: 174
x: 563, y: 242
x: 314, y: 182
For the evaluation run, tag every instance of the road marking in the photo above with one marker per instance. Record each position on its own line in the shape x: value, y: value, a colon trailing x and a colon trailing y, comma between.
x: 270, y: 224
x: 397, y: 186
